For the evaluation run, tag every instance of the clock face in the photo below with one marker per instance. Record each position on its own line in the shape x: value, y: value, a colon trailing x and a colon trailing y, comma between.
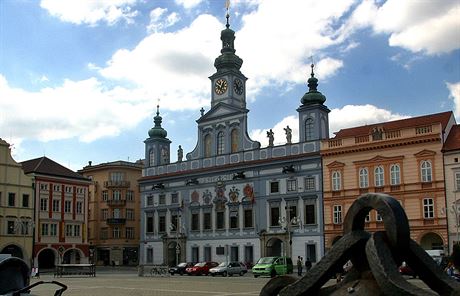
x: 220, y: 86
x: 238, y: 86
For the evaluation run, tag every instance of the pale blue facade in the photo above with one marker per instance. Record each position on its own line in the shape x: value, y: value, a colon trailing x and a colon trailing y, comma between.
x: 230, y: 198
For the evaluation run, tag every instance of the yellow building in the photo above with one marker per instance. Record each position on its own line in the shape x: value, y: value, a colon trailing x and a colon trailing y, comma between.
x: 114, y: 212
x: 16, y: 207
x: 402, y: 158
x: 452, y: 176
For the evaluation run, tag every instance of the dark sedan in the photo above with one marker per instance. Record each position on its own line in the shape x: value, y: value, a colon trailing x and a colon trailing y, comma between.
x: 180, y: 268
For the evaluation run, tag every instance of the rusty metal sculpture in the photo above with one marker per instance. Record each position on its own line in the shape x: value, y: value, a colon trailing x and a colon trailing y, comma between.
x: 375, y: 259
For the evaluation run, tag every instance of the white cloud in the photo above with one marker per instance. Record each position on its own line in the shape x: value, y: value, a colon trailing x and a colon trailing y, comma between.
x: 454, y: 89
x: 172, y: 66
x: 91, y: 12
x: 83, y: 109
x: 158, y: 22
x: 431, y: 27
x: 188, y: 4
x: 357, y: 115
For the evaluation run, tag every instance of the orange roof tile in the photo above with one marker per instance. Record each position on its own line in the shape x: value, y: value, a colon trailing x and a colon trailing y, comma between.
x: 453, y: 139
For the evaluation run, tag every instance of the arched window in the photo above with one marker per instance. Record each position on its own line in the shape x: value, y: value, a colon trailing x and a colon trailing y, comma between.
x: 220, y: 143
x: 116, y: 213
x: 363, y: 178
x: 378, y: 176
x: 234, y: 140
x: 395, y: 174
x: 151, y: 157
x: 336, y: 181
x: 309, y: 129
x: 207, y: 146
x: 426, y: 171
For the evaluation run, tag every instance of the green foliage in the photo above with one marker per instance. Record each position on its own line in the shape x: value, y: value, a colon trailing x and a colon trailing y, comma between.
x: 455, y: 257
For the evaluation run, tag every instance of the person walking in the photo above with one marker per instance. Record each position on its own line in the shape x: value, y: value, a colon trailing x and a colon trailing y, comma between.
x: 307, y: 264
x: 299, y: 265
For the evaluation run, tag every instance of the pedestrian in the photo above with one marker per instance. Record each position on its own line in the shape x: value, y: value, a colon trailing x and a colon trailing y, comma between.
x: 299, y: 265
x: 307, y: 264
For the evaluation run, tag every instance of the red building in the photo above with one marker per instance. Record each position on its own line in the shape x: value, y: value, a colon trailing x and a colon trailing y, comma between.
x: 61, y: 213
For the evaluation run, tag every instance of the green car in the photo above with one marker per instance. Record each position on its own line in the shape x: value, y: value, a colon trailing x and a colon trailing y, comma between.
x: 272, y: 266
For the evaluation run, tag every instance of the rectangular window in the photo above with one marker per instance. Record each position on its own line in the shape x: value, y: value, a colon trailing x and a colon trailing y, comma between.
x: 274, y: 216
x: 43, y: 186
x: 11, y: 199
x: 57, y: 188
x: 43, y: 204
x: 130, y: 214
x: 428, y: 208
x: 44, y: 231
x: 116, y: 176
x: 53, y: 229
x: 457, y: 181
x: 76, y: 230
x: 336, y: 181
x: 68, y: 230
x: 68, y: 189
x: 105, y: 195
x: 149, y: 224
x: 220, y: 250
x: 116, y: 233
x: 311, y: 252
x: 150, y: 200
x: 310, y: 183
x: 130, y: 195
x: 274, y: 187
x: 149, y: 255
x: 25, y: 200
x: 67, y: 206
x: 337, y: 214
x: 248, y: 219
x: 292, y: 185
x: 234, y: 219
x: 220, y: 223
x: 175, y: 198
x: 104, y: 233
x: 162, y: 224
x: 105, y: 214
x: 116, y: 195
x: 56, y: 205
x: 207, y: 221
x: 129, y: 232
x: 11, y: 227
x: 195, y: 221
x: 310, y: 214
x: 79, y: 208
x: 291, y: 212
x: 162, y: 199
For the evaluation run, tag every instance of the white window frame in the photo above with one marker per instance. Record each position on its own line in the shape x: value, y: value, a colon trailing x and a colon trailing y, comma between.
x: 291, y: 185
x: 337, y: 214
x: 426, y: 171
x: 428, y: 208
x: 379, y: 176
x: 395, y: 174
x: 336, y: 181
x: 363, y: 178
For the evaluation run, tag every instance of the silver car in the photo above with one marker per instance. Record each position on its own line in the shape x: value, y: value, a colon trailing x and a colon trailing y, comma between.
x: 228, y: 268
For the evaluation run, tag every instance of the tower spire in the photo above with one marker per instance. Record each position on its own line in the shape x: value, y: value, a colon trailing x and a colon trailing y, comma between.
x: 227, y: 6
x: 313, y: 96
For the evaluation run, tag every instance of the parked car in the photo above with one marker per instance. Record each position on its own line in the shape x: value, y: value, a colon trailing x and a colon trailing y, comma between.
x: 228, y: 268
x: 201, y: 268
x: 405, y: 269
x: 273, y: 266
x: 180, y: 268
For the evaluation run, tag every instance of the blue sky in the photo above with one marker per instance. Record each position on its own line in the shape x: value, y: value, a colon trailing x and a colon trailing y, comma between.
x: 80, y: 80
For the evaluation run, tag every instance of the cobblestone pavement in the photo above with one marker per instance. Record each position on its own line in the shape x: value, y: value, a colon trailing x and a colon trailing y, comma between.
x: 125, y: 282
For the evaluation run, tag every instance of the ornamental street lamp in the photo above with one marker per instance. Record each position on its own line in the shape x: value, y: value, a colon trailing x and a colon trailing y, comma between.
x: 287, y: 224
x: 177, y: 230
x: 23, y: 225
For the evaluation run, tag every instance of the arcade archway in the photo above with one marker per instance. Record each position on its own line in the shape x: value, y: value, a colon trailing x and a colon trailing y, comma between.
x: 13, y: 250
x: 432, y: 241
x: 273, y: 247
x: 46, y: 259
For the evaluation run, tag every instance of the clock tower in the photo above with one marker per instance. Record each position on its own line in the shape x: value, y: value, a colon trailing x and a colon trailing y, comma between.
x: 228, y: 84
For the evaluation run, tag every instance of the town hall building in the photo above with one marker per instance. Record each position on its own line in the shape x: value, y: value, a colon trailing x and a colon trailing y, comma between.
x: 231, y: 199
